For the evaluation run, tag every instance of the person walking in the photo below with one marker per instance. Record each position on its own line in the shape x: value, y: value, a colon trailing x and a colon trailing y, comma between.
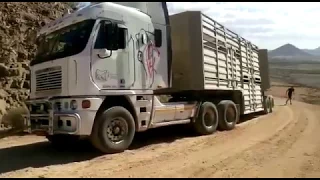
x: 289, y: 94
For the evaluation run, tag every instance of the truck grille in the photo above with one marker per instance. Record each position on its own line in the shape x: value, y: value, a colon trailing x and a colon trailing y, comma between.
x: 49, y: 79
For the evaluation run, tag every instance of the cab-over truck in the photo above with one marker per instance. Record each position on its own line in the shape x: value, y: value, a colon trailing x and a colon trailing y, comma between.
x: 100, y: 72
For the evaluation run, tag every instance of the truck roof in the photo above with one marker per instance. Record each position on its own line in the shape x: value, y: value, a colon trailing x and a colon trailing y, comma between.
x: 95, y: 11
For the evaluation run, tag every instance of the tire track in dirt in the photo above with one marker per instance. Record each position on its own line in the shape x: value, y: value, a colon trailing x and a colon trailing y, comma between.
x: 262, y: 152
x: 213, y: 162
x: 311, y: 167
x: 301, y: 160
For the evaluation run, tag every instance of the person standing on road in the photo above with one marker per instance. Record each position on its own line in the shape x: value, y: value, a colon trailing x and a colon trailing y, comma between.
x: 289, y: 93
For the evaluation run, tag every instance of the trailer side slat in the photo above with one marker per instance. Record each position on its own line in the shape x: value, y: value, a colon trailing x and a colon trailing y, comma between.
x: 220, y: 59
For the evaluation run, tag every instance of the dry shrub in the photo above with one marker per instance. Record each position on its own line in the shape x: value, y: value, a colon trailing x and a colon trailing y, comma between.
x: 14, y: 118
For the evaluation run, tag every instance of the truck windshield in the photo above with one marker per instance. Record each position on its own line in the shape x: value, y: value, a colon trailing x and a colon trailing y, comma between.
x: 64, y: 42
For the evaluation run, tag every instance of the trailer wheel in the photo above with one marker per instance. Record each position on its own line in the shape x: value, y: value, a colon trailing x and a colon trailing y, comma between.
x: 113, y: 130
x: 270, y: 104
x: 266, y: 104
x: 207, y: 120
x: 272, y: 101
x: 228, y: 115
x: 62, y: 141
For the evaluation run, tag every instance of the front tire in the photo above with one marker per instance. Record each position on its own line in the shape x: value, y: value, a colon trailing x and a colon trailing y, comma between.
x: 113, y: 130
x: 207, y: 120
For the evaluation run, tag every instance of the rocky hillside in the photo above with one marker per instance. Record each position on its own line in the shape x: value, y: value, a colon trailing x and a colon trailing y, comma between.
x: 19, y: 22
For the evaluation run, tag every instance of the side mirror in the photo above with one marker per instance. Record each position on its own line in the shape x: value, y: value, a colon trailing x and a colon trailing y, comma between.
x: 158, y: 37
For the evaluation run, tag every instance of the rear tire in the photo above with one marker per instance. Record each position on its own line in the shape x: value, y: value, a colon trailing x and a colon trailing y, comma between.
x: 228, y: 115
x: 207, y: 120
x: 113, y: 130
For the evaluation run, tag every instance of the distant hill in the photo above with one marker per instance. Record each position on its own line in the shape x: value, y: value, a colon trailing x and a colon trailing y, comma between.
x: 315, y: 52
x: 288, y: 51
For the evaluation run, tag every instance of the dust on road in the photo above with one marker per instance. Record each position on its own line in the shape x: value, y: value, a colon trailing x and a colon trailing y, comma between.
x: 282, y: 144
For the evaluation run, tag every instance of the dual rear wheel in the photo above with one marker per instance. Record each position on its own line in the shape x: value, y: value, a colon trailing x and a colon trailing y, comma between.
x: 224, y: 116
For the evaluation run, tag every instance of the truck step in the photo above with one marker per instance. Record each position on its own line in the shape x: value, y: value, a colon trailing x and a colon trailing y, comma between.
x: 143, y: 103
x: 184, y: 121
x: 144, y: 116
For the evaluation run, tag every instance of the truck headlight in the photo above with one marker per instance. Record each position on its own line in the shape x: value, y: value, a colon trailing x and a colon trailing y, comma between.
x: 73, y: 105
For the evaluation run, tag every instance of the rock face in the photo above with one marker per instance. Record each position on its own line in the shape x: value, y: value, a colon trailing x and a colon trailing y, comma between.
x: 19, y: 22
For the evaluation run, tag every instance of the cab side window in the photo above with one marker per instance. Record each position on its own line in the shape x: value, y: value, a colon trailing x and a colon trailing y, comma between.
x: 103, y: 40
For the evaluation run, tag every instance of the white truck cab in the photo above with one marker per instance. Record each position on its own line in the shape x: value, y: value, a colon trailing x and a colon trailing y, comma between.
x: 98, y: 71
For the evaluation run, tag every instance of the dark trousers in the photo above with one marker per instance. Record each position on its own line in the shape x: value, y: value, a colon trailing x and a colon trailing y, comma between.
x: 289, y: 98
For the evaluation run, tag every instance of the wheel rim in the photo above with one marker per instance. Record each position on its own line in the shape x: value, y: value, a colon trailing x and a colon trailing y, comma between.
x: 117, y: 130
x: 231, y: 115
x: 209, y: 119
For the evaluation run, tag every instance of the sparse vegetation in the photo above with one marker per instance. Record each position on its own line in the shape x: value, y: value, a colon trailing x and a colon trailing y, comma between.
x: 14, y: 118
x: 293, y: 65
x: 307, y: 74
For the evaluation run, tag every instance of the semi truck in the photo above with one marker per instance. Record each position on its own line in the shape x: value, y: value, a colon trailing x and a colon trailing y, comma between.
x: 111, y: 69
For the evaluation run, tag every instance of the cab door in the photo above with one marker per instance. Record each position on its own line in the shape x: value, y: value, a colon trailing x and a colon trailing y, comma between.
x: 110, y: 69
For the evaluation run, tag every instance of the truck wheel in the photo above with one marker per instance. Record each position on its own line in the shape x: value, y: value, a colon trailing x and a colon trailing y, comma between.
x: 113, y: 130
x: 62, y: 141
x: 266, y: 104
x: 269, y: 104
x: 207, y: 119
x: 228, y: 115
x: 272, y: 101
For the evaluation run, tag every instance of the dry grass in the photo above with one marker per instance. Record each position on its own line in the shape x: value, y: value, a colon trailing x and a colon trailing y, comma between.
x: 14, y: 118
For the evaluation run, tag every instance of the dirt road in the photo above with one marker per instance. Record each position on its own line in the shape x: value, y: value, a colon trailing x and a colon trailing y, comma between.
x: 283, y: 144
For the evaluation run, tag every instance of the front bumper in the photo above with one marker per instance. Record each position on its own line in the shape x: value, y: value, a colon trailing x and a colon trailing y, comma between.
x: 47, y: 119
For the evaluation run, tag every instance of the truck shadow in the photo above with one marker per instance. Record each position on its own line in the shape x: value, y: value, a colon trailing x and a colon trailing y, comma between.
x: 42, y: 154
x: 248, y: 117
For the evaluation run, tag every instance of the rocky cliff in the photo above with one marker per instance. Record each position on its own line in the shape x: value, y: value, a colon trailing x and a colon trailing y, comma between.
x: 19, y: 22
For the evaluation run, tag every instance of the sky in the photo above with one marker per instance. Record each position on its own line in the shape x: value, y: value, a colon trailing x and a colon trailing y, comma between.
x: 266, y: 24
